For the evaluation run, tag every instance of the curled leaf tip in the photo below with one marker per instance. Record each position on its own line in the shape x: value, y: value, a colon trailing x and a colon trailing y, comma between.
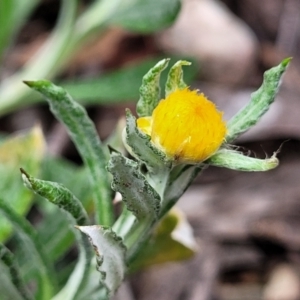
x: 26, y: 179
x: 23, y: 172
x: 28, y: 82
x: 38, y: 84
x: 286, y: 61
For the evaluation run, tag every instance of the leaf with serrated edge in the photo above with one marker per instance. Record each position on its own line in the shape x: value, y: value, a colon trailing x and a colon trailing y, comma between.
x: 175, y: 77
x: 140, y: 198
x: 150, y: 90
x: 259, y: 104
x: 141, y: 146
x: 110, y: 252
x: 237, y: 161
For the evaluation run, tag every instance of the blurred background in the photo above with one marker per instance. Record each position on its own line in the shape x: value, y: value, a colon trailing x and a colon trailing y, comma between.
x: 246, y: 224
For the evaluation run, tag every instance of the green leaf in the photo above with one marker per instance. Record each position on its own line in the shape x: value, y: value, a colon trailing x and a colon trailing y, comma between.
x: 72, y: 176
x: 175, y: 77
x: 140, y: 198
x: 146, y: 16
x: 150, y: 89
x: 54, y: 229
x: 58, y: 195
x: 172, y: 240
x: 25, y: 149
x: 110, y: 252
x: 63, y: 198
x: 8, y: 258
x: 141, y: 147
x: 259, y: 104
x: 237, y: 161
x: 83, y: 133
x: 32, y: 248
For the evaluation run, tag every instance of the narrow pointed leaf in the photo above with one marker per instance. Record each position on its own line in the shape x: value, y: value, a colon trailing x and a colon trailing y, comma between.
x: 259, y: 104
x: 83, y: 133
x: 140, y: 198
x: 110, y: 252
x: 175, y: 77
x: 237, y: 161
x: 8, y: 258
x: 54, y: 229
x: 141, y: 146
x: 58, y: 195
x: 63, y: 198
x: 32, y: 248
x: 150, y: 89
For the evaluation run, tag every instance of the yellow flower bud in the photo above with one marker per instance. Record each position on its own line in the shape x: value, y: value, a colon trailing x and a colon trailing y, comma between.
x: 186, y: 126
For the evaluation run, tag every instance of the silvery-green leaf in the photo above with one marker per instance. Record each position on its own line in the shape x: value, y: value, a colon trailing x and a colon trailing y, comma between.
x: 58, y: 195
x: 150, y: 90
x: 63, y: 198
x: 234, y: 160
x: 54, y: 222
x: 140, y: 198
x: 259, y: 104
x: 83, y: 133
x: 110, y: 252
x: 141, y: 145
x: 175, y: 77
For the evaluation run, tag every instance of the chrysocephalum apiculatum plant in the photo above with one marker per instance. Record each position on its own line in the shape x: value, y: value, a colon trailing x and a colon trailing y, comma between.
x: 170, y: 142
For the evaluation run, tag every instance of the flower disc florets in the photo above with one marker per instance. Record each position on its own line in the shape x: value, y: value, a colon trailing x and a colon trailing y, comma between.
x: 186, y: 126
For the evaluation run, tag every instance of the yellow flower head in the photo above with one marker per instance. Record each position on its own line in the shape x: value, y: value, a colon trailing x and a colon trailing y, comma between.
x: 186, y: 126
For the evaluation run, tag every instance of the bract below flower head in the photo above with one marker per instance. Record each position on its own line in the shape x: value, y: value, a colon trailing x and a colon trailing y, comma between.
x: 186, y: 126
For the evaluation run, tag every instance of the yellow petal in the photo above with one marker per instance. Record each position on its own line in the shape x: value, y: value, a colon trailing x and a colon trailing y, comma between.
x: 145, y: 124
x: 186, y: 126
